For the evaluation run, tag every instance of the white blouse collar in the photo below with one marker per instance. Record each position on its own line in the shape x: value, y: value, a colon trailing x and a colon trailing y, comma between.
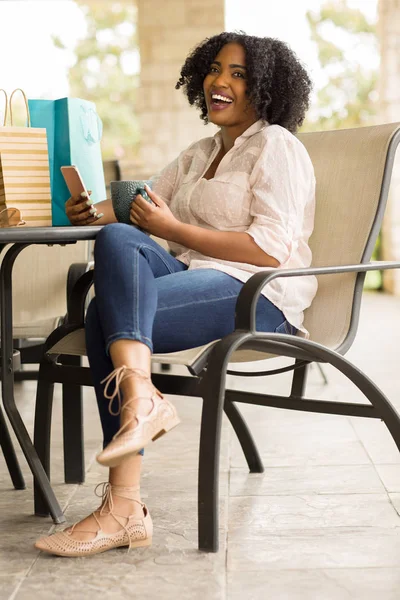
x: 255, y: 128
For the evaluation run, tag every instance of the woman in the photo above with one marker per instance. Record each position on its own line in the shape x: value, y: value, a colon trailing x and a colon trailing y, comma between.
x: 229, y: 206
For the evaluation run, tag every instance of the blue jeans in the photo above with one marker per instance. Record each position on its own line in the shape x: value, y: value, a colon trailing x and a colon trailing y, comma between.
x: 143, y: 293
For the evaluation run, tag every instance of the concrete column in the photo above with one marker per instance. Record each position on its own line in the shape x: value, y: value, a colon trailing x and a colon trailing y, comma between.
x: 389, y: 91
x: 168, y: 30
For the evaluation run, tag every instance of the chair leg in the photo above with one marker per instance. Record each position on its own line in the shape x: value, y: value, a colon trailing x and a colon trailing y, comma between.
x: 210, y: 439
x: 41, y: 439
x: 9, y: 455
x: 74, y: 452
x: 245, y: 438
x: 299, y: 381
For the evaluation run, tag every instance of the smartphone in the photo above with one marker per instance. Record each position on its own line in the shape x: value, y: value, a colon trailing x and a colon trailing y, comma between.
x: 74, y: 181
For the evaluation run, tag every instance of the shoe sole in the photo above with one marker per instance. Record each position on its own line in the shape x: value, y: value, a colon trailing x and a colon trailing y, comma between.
x: 174, y: 423
x: 138, y: 544
x: 114, y: 462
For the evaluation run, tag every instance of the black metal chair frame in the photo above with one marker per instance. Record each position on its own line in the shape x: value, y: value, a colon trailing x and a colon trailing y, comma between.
x: 208, y: 376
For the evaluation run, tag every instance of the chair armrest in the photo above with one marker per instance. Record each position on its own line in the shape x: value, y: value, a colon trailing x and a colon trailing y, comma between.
x: 245, y: 314
x: 76, y: 299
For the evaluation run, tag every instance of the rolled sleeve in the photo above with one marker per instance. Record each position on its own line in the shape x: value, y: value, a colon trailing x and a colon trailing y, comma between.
x: 272, y: 237
x: 273, y: 206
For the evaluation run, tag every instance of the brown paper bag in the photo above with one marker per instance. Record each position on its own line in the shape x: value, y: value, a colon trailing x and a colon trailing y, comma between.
x: 24, y: 171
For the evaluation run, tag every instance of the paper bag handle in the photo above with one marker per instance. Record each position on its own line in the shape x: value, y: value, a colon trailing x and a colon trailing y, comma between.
x: 6, y: 106
x: 26, y: 104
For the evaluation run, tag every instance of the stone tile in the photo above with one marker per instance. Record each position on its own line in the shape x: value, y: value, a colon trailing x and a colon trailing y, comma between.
x: 14, y: 560
x: 178, y: 515
x: 316, y: 524
x: 156, y: 482
x: 346, y: 547
x: 170, y: 552
x: 167, y: 583
x: 8, y: 583
x: 360, y: 479
x: 267, y: 419
x: 18, y: 535
x: 395, y: 499
x: 255, y: 516
x: 171, y: 513
x: 377, y: 441
x: 20, y: 502
x: 180, y: 448
x: 390, y: 476
x: 307, y: 584
x: 290, y: 444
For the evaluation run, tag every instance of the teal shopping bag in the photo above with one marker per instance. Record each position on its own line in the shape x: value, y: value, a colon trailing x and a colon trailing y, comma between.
x: 74, y: 132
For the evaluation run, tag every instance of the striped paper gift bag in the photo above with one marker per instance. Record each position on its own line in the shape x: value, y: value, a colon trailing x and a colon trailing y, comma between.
x: 24, y: 172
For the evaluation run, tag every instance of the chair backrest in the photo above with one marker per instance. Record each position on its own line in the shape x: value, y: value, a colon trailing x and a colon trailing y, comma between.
x: 112, y: 172
x: 352, y: 169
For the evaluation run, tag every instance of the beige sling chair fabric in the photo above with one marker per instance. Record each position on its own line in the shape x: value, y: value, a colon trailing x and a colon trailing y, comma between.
x: 349, y: 167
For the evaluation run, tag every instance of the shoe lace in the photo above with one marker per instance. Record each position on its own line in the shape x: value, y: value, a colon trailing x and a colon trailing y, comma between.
x: 116, y: 377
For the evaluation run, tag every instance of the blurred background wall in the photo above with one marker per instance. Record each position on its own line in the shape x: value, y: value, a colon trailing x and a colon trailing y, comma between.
x: 166, y: 32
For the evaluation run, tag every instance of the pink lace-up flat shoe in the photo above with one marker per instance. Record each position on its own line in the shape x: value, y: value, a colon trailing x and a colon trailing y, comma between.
x: 128, y: 441
x: 134, y: 532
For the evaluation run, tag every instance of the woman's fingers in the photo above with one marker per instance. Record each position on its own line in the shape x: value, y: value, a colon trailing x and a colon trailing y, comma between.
x: 133, y: 220
x: 137, y: 207
x: 153, y: 196
x: 80, y: 210
x: 78, y: 203
x: 133, y: 217
x: 84, y: 216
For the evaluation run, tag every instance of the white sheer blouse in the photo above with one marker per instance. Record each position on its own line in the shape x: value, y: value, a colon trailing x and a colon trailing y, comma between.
x: 264, y: 186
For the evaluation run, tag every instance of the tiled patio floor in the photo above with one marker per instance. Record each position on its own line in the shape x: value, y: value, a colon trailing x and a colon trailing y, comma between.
x: 321, y: 523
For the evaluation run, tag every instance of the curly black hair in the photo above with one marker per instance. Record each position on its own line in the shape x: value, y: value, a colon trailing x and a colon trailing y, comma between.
x: 278, y: 85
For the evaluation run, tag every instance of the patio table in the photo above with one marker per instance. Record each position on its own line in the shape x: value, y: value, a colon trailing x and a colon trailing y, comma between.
x: 20, y: 238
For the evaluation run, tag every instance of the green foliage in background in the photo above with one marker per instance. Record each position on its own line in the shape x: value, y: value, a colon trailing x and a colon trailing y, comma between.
x: 350, y: 98
x: 102, y: 72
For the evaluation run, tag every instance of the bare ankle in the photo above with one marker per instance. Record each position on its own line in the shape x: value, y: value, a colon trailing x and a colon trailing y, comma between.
x: 126, y: 507
x: 126, y: 498
x: 136, y: 387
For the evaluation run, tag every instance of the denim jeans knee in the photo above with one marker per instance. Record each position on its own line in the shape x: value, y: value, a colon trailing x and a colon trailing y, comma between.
x: 286, y: 328
x: 112, y: 239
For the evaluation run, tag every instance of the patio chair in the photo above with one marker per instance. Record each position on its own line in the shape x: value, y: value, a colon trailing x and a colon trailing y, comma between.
x: 353, y: 170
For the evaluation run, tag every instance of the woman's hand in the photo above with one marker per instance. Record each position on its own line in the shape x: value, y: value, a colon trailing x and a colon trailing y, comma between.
x: 155, y: 218
x: 80, y: 210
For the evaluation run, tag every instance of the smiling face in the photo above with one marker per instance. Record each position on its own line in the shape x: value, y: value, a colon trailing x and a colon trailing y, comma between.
x: 225, y: 90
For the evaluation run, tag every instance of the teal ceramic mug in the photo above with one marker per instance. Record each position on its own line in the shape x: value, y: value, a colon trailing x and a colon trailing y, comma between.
x: 123, y: 193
